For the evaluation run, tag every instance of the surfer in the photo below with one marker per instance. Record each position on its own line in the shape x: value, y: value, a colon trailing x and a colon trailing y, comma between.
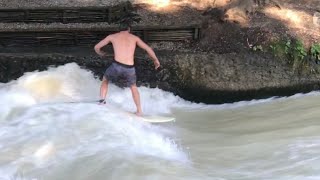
x: 124, y: 44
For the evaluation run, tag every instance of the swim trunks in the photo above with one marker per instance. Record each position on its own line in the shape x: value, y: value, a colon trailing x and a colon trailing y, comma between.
x: 121, y: 73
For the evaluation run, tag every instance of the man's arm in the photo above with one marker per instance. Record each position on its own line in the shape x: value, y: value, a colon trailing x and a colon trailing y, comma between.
x: 102, y: 43
x: 150, y: 52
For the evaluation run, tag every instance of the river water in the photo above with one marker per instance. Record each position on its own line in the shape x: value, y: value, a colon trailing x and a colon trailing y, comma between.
x: 45, y: 137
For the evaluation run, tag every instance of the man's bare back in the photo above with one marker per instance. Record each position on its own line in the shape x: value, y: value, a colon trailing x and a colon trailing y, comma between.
x: 124, y: 44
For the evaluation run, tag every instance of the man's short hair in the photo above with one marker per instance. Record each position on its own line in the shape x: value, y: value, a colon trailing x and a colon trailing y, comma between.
x: 124, y: 26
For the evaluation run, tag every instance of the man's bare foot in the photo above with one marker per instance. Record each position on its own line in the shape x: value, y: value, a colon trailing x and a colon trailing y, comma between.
x: 102, y: 101
x: 138, y: 113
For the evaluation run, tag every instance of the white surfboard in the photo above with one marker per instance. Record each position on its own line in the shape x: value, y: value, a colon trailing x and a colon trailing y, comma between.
x: 155, y: 118
x: 146, y: 118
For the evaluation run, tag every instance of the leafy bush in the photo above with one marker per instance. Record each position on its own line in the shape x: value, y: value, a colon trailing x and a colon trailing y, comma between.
x: 293, y: 52
x: 315, y: 52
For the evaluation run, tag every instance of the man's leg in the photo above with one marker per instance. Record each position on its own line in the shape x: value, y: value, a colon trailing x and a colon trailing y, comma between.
x: 103, y: 88
x: 136, y: 98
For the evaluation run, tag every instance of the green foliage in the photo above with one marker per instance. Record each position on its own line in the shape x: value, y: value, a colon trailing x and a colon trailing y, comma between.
x: 257, y: 48
x: 281, y: 48
x: 298, y: 56
x: 315, y: 52
x: 287, y: 47
x: 293, y: 52
x: 299, y: 50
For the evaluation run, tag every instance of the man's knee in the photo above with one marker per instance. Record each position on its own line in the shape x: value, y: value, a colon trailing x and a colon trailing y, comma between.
x: 104, y: 80
x: 133, y: 87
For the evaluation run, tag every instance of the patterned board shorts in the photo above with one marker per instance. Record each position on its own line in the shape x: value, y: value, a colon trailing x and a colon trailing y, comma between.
x: 121, y: 73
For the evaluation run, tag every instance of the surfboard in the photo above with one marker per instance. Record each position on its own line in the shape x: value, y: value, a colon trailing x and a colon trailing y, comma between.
x: 146, y: 118
x: 155, y: 118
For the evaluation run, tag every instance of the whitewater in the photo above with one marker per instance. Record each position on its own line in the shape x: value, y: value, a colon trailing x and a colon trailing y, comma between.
x: 51, y: 129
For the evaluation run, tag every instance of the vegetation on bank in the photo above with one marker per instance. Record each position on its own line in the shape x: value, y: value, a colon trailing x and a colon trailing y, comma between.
x: 294, y: 52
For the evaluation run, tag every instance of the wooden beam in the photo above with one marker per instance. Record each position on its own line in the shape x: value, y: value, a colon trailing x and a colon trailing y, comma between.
x: 109, y: 15
x: 26, y: 15
x: 87, y: 14
x: 77, y: 37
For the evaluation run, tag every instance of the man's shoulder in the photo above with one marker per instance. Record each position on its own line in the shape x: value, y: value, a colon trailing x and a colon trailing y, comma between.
x: 134, y: 36
x: 114, y: 34
x: 110, y: 37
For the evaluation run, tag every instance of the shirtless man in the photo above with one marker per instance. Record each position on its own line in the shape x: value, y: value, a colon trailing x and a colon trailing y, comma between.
x: 124, y: 44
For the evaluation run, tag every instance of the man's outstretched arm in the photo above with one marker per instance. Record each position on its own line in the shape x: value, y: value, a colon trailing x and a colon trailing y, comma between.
x: 150, y: 52
x: 102, y: 43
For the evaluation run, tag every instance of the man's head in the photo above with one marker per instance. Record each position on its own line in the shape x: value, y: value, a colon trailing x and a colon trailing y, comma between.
x: 124, y: 26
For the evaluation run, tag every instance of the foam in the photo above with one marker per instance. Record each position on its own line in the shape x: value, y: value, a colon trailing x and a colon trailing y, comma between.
x: 38, y: 130
x: 47, y: 131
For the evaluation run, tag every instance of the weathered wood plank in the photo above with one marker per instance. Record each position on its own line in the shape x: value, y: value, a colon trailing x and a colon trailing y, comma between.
x: 64, y: 15
x: 90, y: 37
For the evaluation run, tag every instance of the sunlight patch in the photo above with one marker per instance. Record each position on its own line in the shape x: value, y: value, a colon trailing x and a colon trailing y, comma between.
x: 297, y: 21
x: 174, y: 5
x: 316, y: 19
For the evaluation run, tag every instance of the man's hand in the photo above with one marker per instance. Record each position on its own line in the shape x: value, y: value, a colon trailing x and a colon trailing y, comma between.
x: 156, y: 64
x: 102, y: 43
x: 101, y: 54
x: 149, y: 50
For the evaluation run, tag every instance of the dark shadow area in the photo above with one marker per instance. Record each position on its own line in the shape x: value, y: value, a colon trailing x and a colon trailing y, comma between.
x: 226, y: 96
